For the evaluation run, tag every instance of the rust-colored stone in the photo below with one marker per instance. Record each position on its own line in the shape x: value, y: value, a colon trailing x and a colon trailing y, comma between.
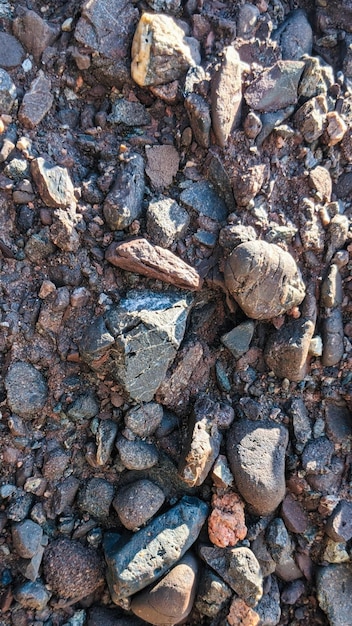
x: 241, y: 614
x: 226, y: 524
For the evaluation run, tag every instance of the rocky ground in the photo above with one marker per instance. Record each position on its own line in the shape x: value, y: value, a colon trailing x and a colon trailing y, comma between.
x: 175, y: 313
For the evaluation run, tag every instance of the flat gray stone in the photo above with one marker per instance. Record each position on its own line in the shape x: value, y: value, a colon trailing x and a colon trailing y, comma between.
x: 167, y: 221
x: 276, y: 87
x: 27, y: 537
x: 334, y: 589
x: 239, y: 338
x: 128, y: 113
x: 26, y: 389
x: 11, y: 51
x: 202, y: 198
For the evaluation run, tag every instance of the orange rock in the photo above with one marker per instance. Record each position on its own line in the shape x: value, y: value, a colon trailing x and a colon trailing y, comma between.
x: 226, y: 524
x: 241, y: 614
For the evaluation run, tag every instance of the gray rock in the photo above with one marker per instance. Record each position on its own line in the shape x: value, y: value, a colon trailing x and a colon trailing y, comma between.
x: 339, y: 524
x: 300, y: 422
x: 102, y: 616
x: 272, y: 120
x: 154, y: 549
x: 96, y: 341
x: 310, y: 119
x: 167, y: 6
x: 334, y: 589
x: 337, y: 235
x: 212, y: 595
x: 268, y: 607
x: 338, y: 422
x: 199, y: 116
x: 233, y: 235
x: 54, y: 184
x: 39, y: 246
x: 247, y: 21
x: 144, y: 420
x: 128, y: 113
x: 137, y: 455
x: 32, y: 595
x: 85, y: 406
x: 294, y: 36
x: 202, y: 198
x: 17, y: 169
x: 239, y: 338
x: 27, y: 537
x: 166, y: 222
x: 317, y: 455
x: 34, y: 33
x: 123, y: 204
x: 8, y: 92
x: 331, y: 289
x: 293, y: 592
x: 26, y: 389
x: 105, y: 439
x: 276, y: 87
x: 330, y: 481
x: 205, y: 238
x: 137, y: 503
x: 294, y: 515
x: 261, y: 550
x: 11, y: 51
x: 36, y: 102
x: 30, y: 569
x: 55, y: 463
x: 333, y: 346
x: 96, y: 498
x: 256, y: 453
x: 226, y: 95
x: 64, y: 494
x: 286, y: 351
x: 19, y: 505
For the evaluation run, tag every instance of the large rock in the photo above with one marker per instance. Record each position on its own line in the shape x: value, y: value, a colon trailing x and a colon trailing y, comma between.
x: 154, y: 549
x: 11, y: 51
x: 256, y: 453
x: 287, y: 349
x: 34, y: 33
x: 226, y: 95
x: 123, y: 204
x: 294, y: 36
x: 334, y: 589
x: 26, y: 389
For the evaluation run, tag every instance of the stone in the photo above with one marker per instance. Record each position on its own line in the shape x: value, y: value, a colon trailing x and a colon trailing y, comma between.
x: 71, y: 570
x: 26, y: 389
x: 137, y: 455
x: 317, y: 455
x: 129, y: 113
x: 136, y: 503
x: 334, y: 590
x: 256, y: 453
x: 39, y: 246
x: 339, y: 523
x: 241, y: 614
x: 32, y: 595
x: 239, y: 338
x: 202, y: 198
x: 247, y: 21
x: 54, y: 184
x: 36, y: 102
x: 161, y: 50
x: 200, y: 450
x: 55, y: 463
x: 226, y: 95
x: 96, y: 497
x: 144, y: 420
x: 85, y: 406
x: 221, y: 474
x: 199, y: 117
x: 310, y: 118
x: 162, y: 165
x: 338, y: 422
x: 335, y: 129
x: 34, y: 32
x: 105, y: 439
x: 154, y: 549
x: 268, y: 608
x: 314, y: 79
x: 141, y: 257
x: 233, y: 235
x: 300, y: 422
x: 294, y: 36
x: 333, y: 345
x: 320, y: 181
x: 11, y: 51
x: 331, y: 293
x: 8, y: 93
x: 226, y: 523
x: 263, y: 279
x: 334, y: 552
x: 276, y: 87
x: 287, y: 349
x: 294, y: 515
x: 64, y: 494
x: 292, y: 592
x: 337, y: 235
x: 169, y: 6
x: 167, y: 222
x: 212, y: 595
x: 27, y: 537
x: 171, y: 600
x: 62, y: 232
x: 123, y: 203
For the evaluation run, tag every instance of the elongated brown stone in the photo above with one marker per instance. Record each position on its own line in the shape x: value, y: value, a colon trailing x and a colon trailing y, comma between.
x: 142, y: 257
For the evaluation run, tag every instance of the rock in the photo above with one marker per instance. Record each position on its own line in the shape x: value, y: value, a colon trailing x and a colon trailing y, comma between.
x: 320, y: 181
x: 32, y: 595
x: 85, y: 406
x: 293, y: 592
x: 161, y: 50
x: 11, y: 51
x: 105, y: 28
x: 137, y: 503
x: 317, y: 455
x: 287, y: 349
x: 221, y: 474
x: 226, y: 95
x: 102, y: 616
x: 144, y: 420
x: 314, y: 79
x: 333, y: 346
x: 268, y: 608
x: 37, y: 102
x: 171, y: 599
x: 169, y: 6
x: 337, y: 235
x: 263, y: 279
x: 330, y: 481
x: 276, y: 87
x: 310, y: 119
x: 212, y: 595
x: 167, y: 222
x: 96, y: 497
x: 62, y: 232
x: 233, y: 235
x: 55, y: 463
x: 338, y: 422
x: 54, y: 184
x: 202, y: 198
x: 294, y: 515
x: 137, y: 455
x: 339, y: 524
x: 335, y: 129
x: 105, y: 439
x: 238, y: 340
x: 71, y: 570
x: 247, y: 21
x: 123, y: 204
x: 26, y: 389
x: 334, y: 589
x: 154, y: 549
x: 240, y: 613
x: 34, y: 33
x: 64, y: 494
x: 256, y: 453
x: 199, y: 116
x: 331, y: 290
x: 39, y: 246
x: 162, y: 165
x: 129, y: 113
x: 334, y: 552
x: 27, y: 537
x: 141, y: 257
x: 294, y: 36
x: 226, y: 523
x: 300, y: 422
x: 8, y: 93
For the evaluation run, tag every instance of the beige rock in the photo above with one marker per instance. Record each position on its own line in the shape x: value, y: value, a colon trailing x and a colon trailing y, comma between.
x: 336, y: 128
x: 226, y: 95
x: 310, y: 118
x: 162, y: 165
x: 54, y: 183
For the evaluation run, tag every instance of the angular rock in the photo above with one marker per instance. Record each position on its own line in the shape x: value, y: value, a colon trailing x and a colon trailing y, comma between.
x: 162, y: 165
x: 337, y: 235
x: 199, y: 117
x: 256, y: 453
x: 54, y: 184
x: 263, y: 279
x: 238, y: 340
x: 37, y: 102
x: 240, y: 613
x: 32, y: 595
x: 137, y: 454
x: 294, y: 515
x: 275, y: 88
x: 339, y: 524
x: 333, y: 345
x: 26, y: 389
x: 334, y: 589
x: 11, y: 51
x: 310, y: 118
x: 294, y: 36
x: 8, y: 93
x: 34, y: 33
x: 317, y: 455
x: 105, y: 439
x: 171, y: 599
x: 167, y: 222
x: 226, y: 523
x: 129, y: 113
x: 212, y: 595
x: 286, y: 350
x: 161, y: 50
x: 154, y: 549
x: 137, y: 503
x: 335, y: 129
x: 144, y: 420
x: 27, y: 537
x: 202, y: 198
x: 338, y: 422
x: 268, y: 608
x: 320, y: 181
x: 142, y: 257
x: 300, y: 422
x: 123, y: 204
x: 62, y: 232
x: 226, y: 95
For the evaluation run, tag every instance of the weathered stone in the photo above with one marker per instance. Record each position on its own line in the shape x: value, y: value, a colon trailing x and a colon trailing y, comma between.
x: 294, y: 36
x: 339, y: 524
x: 137, y: 454
x: 226, y: 95
x: 221, y: 474
x: 27, y: 537
x: 314, y: 80
x: 37, y: 102
x: 276, y: 87
x: 123, y: 204
x: 161, y: 50
x: 32, y: 595
x: 26, y: 389
x: 268, y: 608
x: 129, y: 113
x: 202, y: 198
x: 334, y: 589
x: 300, y: 422
x: 62, y: 232
x: 55, y: 463
x: 212, y: 595
x: 317, y: 454
x: 96, y: 497
x: 8, y: 93
x: 333, y: 346
x: 105, y: 439
x: 337, y: 235
x: 167, y: 222
x: 240, y: 613
x: 169, y: 6
x: 331, y: 289
x: 54, y: 184
x: 335, y: 128
x: 199, y: 116
x: 11, y: 51
x: 334, y: 552
x: 310, y: 118
x: 162, y: 165
x: 256, y: 453
x: 226, y: 523
x: 286, y: 350
x: 263, y: 279
x: 338, y: 422
x: 154, y: 549
x: 85, y: 406
x: 140, y: 256
x: 34, y: 33
x: 171, y: 599
x: 144, y: 420
x: 238, y: 340
x: 247, y: 21
x: 137, y: 503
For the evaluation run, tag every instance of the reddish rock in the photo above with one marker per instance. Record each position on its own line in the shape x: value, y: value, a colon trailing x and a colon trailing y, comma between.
x: 34, y: 33
x: 241, y: 614
x: 36, y: 102
x: 226, y: 524
x: 320, y: 181
x: 294, y: 515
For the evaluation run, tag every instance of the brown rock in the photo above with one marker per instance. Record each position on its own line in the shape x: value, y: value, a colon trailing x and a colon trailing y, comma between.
x: 34, y: 33
x: 287, y: 349
x: 294, y: 515
x: 143, y: 258
x: 162, y: 165
x: 36, y: 102
x: 310, y: 118
x: 335, y: 129
x: 320, y: 181
x: 241, y: 614
x: 276, y: 87
x: 226, y: 524
x: 71, y: 570
x: 226, y: 95
x: 135, y: 504
x: 53, y: 182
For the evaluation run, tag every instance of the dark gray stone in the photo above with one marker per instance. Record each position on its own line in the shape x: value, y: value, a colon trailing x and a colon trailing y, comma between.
x: 333, y: 345
x: 276, y: 87
x: 334, y: 589
x: 96, y: 498
x: 202, y: 198
x: 301, y: 423
x: 339, y: 524
x: 330, y: 481
x: 11, y: 51
x: 294, y: 36
x: 27, y: 537
x: 286, y: 351
x: 205, y: 238
x: 268, y: 607
x: 137, y: 454
x: 8, y: 92
x: 128, y: 113
x: 85, y: 406
x: 154, y: 549
x: 123, y: 204
x: 239, y: 338
x: 144, y: 420
x: 199, y: 116
x: 166, y: 221
x: 293, y: 592
x: 317, y: 455
x: 137, y: 503
x: 55, y: 463
x: 26, y: 389
x: 213, y: 594
x: 96, y: 341
x: 19, y: 506
x: 105, y: 438
x: 338, y: 422
x: 32, y: 595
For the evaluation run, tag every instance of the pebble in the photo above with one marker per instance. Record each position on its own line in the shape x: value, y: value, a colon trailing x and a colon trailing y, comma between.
x: 144, y: 420
x: 294, y: 515
x: 338, y: 422
x: 269, y: 608
x: 317, y: 455
x: 333, y: 344
x: 276, y: 87
x: 294, y: 36
x: 334, y: 589
x: 293, y: 592
x: 256, y: 453
x: 128, y: 113
x: 198, y: 112
x: 154, y: 549
x: 85, y: 406
x: 162, y: 165
x: 226, y: 523
x: 137, y: 503
x: 331, y: 290
x: 62, y: 232
x: 240, y: 613
x: 123, y: 203
x: 339, y: 523
x: 26, y: 389
x: 310, y: 118
x: 221, y: 473
x: 27, y: 537
x: 167, y: 221
x: 32, y: 595
x: 11, y: 51
x: 36, y: 102
x: 55, y: 463
x: 212, y: 595
x: 35, y: 33
x: 8, y: 92
x: 137, y: 455
x: 226, y: 95
x: 337, y: 235
x: 96, y: 497
x: 54, y: 183
x: 105, y: 439
x: 301, y: 423
x: 286, y: 351
x: 169, y: 601
x: 336, y: 128
x: 239, y: 338
x: 263, y: 279
x: 202, y: 198
x: 201, y: 449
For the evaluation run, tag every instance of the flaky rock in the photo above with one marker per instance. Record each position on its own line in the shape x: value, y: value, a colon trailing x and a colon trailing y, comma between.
x: 276, y: 87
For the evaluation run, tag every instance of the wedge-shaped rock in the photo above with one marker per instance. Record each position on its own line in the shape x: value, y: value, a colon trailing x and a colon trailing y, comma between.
x: 54, y: 184
x: 275, y: 88
x: 37, y: 102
